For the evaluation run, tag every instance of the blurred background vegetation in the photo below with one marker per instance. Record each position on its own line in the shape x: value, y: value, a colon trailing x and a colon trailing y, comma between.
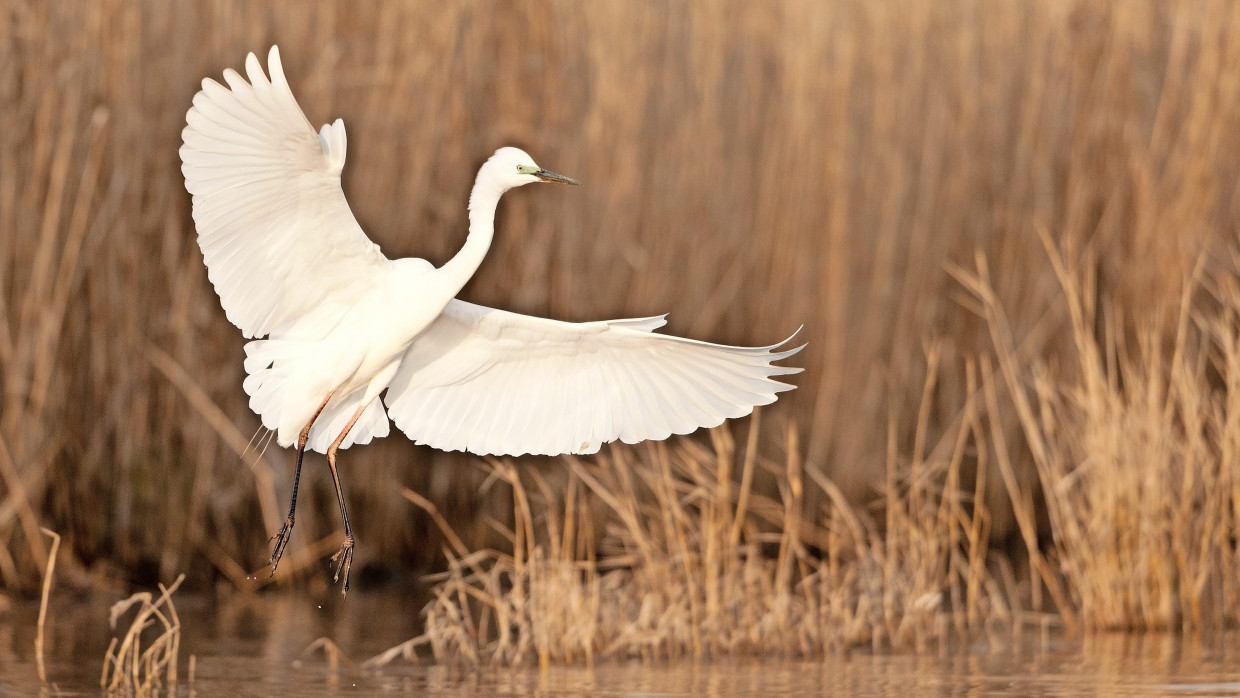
x: 749, y: 167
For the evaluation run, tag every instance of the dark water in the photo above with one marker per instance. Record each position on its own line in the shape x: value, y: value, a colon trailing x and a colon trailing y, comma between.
x: 255, y: 646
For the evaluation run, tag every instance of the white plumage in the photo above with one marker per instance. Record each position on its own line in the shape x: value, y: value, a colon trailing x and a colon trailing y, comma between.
x: 278, y: 237
x: 493, y: 382
x: 347, y: 330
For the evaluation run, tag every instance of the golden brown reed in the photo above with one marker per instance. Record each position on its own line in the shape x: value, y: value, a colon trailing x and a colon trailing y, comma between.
x: 47, y: 591
x: 133, y: 669
x: 670, y: 551
x: 1135, y: 443
x: 751, y: 167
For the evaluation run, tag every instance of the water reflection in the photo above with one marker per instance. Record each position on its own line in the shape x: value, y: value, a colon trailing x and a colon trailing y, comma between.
x: 256, y: 645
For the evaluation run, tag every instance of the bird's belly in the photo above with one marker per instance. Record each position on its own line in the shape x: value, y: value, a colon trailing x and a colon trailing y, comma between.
x: 370, y: 340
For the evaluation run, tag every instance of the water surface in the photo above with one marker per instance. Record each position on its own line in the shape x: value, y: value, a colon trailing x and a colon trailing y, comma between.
x: 256, y: 646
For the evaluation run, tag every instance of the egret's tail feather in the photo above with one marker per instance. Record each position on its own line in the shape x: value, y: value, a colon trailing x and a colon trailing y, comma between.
x: 279, y: 392
x: 285, y: 395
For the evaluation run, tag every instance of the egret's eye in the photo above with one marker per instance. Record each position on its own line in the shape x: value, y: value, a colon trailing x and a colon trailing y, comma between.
x: 526, y: 169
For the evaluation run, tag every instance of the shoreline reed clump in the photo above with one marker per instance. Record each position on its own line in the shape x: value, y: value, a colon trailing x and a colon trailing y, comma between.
x: 137, y: 669
x: 1136, y: 442
x: 671, y: 550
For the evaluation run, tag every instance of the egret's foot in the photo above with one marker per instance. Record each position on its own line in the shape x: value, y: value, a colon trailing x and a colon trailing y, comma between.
x: 281, y: 538
x: 344, y: 562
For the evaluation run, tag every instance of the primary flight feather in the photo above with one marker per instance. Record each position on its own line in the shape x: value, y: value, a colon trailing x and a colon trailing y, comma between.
x: 346, y: 331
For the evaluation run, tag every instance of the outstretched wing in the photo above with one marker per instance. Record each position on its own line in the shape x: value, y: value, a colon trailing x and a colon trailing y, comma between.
x: 494, y: 382
x: 278, y: 237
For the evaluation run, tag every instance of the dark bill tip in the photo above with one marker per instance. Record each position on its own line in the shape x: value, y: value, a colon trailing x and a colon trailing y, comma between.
x: 549, y: 176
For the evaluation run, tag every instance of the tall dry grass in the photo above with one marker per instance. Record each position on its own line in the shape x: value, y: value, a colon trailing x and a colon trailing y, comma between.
x: 750, y: 167
x: 1134, y: 440
x: 675, y: 553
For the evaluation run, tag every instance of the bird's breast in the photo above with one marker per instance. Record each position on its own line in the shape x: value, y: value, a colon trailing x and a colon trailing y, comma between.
x: 385, y: 322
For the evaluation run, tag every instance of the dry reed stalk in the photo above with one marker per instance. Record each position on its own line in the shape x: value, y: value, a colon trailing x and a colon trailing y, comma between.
x: 127, y: 666
x: 47, y: 592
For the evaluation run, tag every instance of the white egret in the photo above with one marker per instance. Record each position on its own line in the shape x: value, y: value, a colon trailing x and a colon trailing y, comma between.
x: 343, y: 323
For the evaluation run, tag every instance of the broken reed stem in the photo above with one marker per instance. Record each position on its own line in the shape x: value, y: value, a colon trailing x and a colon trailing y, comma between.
x: 128, y: 667
x: 47, y: 591
x: 332, y: 653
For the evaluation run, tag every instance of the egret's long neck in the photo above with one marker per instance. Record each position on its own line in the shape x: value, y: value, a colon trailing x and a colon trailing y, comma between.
x: 482, y: 202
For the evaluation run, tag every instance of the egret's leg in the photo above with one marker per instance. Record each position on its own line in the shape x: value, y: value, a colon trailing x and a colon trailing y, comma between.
x: 343, y: 557
x: 286, y: 531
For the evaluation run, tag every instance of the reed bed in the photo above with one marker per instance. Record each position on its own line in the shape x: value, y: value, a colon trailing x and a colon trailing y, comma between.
x: 750, y: 167
x: 1135, y: 447
x: 672, y: 551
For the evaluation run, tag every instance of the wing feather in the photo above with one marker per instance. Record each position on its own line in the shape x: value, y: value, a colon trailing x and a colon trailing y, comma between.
x: 493, y: 382
x: 677, y: 404
x: 639, y: 408
x: 276, y: 232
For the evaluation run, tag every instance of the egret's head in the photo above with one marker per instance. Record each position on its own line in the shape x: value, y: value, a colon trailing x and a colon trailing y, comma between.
x: 513, y: 167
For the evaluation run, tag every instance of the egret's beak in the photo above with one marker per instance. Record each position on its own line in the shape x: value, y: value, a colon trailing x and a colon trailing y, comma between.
x: 549, y: 176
